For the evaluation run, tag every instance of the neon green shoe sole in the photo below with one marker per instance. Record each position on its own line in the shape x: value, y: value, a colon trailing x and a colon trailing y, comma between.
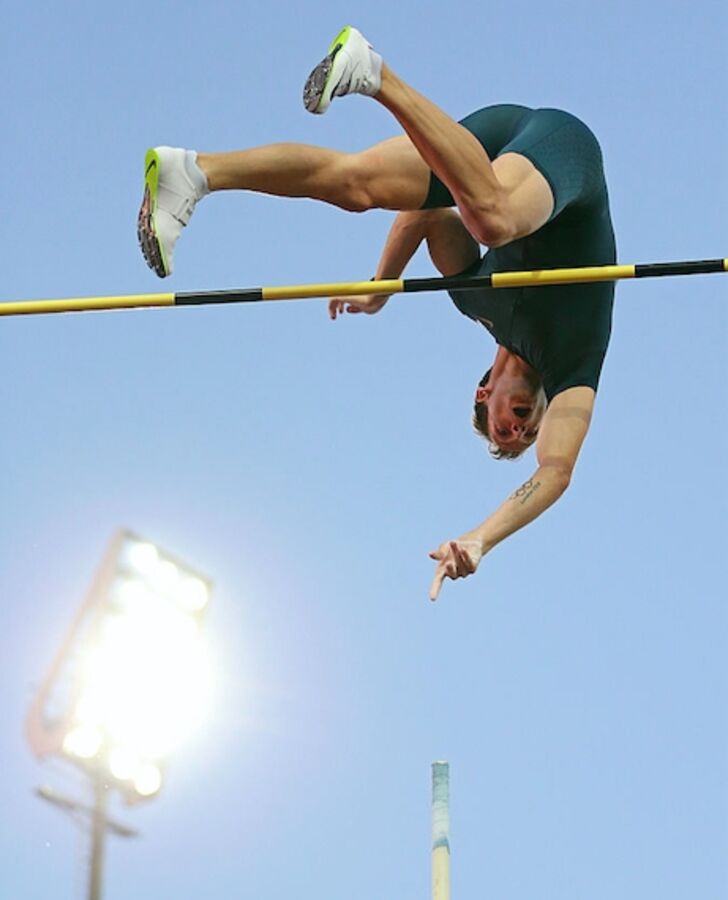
x: 149, y: 242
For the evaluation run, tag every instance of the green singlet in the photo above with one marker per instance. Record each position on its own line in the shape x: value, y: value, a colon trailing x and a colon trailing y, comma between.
x: 562, y: 331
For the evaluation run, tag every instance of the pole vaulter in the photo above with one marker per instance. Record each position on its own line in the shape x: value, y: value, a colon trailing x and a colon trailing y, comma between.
x: 527, y: 184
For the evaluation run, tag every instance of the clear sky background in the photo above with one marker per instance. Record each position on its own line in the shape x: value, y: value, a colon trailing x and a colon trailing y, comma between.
x: 578, y: 683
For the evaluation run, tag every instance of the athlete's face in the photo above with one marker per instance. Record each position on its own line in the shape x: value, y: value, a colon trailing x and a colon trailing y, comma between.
x: 515, y: 410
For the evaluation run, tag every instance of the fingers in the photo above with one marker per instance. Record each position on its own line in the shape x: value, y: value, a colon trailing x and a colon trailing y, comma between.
x: 457, y: 562
x: 337, y: 307
x: 368, y: 304
x: 463, y: 563
x: 436, y: 583
x: 453, y: 561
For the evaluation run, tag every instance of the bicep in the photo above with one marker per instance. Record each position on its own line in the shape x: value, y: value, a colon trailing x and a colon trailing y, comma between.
x: 564, y: 428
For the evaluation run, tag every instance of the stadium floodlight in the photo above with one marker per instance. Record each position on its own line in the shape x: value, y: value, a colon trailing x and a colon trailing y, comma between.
x: 131, y: 679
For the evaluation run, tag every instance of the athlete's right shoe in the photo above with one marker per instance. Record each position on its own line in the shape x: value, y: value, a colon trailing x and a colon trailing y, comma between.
x: 173, y: 183
x: 350, y: 67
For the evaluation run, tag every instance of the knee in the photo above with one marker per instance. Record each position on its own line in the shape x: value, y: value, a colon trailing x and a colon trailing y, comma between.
x: 490, y: 224
x: 352, y: 188
x: 488, y: 218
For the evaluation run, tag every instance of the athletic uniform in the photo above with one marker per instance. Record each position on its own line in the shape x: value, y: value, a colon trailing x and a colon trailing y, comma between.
x: 562, y: 331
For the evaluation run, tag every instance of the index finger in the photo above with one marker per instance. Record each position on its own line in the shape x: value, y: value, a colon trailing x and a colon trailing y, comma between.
x: 437, y: 583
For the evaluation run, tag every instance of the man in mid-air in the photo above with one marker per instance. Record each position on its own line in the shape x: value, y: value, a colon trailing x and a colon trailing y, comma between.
x: 526, y: 183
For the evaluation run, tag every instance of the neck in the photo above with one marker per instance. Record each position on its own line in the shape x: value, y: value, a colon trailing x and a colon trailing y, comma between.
x: 511, y: 365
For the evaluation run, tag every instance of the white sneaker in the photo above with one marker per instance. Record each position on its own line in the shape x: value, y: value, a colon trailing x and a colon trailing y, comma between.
x: 173, y: 183
x: 350, y: 67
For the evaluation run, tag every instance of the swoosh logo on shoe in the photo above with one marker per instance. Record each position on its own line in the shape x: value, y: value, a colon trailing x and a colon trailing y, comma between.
x: 151, y: 166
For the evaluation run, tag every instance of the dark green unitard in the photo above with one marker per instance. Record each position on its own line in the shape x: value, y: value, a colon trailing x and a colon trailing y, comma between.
x: 561, y: 331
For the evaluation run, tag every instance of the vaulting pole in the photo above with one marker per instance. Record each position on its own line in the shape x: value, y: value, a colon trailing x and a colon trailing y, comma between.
x: 440, y: 831
x: 536, y: 278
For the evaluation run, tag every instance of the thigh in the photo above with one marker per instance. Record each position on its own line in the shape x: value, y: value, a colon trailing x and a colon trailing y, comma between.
x: 397, y: 176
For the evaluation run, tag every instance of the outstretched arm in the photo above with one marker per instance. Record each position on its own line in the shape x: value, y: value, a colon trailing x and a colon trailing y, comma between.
x: 561, y: 435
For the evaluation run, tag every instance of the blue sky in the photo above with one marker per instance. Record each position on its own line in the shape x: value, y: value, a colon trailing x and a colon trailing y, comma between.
x: 578, y: 682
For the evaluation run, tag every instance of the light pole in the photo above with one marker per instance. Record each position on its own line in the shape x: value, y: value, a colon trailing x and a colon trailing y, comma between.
x: 95, y: 814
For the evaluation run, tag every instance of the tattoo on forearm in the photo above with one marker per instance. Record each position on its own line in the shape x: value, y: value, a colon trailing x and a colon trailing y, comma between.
x: 525, y: 491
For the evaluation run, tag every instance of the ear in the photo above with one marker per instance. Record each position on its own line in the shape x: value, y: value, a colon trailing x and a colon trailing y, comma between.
x: 481, y: 394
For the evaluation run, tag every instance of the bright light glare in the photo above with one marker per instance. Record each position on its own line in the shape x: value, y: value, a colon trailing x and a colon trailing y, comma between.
x: 164, y: 577
x: 123, y: 763
x: 144, y: 671
x: 148, y: 780
x: 159, y: 576
x: 83, y: 741
x: 146, y: 680
x: 142, y: 556
x: 133, y: 596
x: 193, y: 594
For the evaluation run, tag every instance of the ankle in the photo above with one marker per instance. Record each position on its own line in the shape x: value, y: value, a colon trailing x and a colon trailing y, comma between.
x: 390, y: 87
x: 196, y: 174
x: 207, y: 164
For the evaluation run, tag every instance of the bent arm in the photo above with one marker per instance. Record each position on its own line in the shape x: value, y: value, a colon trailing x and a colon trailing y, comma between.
x: 405, y: 236
x: 408, y: 231
x: 451, y: 248
x: 561, y: 435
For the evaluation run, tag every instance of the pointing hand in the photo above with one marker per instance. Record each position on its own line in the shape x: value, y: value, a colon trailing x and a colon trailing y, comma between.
x: 455, y: 559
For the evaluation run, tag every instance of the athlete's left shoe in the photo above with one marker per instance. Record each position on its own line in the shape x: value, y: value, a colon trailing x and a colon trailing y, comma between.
x: 173, y: 183
x: 350, y: 67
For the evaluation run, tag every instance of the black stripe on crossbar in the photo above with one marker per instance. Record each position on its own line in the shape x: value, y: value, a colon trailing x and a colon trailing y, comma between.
x: 694, y: 267
x: 413, y: 285
x: 195, y: 299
